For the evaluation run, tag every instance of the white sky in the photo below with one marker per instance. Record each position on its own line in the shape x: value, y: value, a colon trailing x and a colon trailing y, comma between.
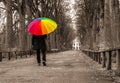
x: 2, y: 16
x: 72, y: 12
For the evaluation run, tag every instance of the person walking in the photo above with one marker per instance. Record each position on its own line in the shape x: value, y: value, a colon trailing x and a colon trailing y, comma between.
x: 39, y: 44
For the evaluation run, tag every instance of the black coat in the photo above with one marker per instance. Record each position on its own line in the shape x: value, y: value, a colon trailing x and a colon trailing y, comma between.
x: 39, y: 42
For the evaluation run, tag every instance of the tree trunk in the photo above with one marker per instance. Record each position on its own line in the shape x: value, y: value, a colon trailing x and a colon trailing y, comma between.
x: 29, y: 17
x: 9, y: 36
x: 108, y: 24
x: 23, y: 29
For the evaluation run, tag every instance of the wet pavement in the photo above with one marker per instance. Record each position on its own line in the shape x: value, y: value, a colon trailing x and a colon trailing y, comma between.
x: 62, y: 67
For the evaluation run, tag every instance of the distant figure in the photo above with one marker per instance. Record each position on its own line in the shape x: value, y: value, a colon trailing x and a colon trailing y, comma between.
x: 39, y: 44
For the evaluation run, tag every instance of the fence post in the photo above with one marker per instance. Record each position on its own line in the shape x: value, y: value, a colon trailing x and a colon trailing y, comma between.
x: 94, y: 56
x: 9, y: 56
x: 99, y: 57
x: 20, y: 54
x: 118, y: 59
x: 15, y: 54
x: 26, y: 53
x: 90, y: 54
x: 0, y: 56
x: 109, y: 60
x: 104, y: 59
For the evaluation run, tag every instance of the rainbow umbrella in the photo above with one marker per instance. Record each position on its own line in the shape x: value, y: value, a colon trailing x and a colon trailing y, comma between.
x: 42, y: 26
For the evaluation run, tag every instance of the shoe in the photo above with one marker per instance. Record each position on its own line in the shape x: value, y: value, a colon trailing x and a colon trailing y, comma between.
x: 44, y: 64
x: 39, y: 64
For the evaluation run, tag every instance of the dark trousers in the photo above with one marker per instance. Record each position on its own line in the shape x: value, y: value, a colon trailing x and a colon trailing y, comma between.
x: 39, y: 55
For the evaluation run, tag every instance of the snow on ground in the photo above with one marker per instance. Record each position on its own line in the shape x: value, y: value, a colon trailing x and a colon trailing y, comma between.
x: 62, y: 67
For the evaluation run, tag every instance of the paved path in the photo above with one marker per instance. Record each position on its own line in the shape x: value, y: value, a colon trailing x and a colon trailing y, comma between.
x: 63, y: 67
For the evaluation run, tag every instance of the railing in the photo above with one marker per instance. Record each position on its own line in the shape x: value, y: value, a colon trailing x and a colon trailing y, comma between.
x: 20, y: 54
x: 15, y: 54
x: 104, y: 57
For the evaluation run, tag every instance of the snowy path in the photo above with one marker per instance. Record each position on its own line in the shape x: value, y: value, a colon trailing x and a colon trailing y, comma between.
x: 63, y: 67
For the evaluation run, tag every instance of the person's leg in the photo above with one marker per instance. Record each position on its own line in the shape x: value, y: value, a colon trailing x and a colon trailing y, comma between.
x: 38, y: 56
x: 44, y: 56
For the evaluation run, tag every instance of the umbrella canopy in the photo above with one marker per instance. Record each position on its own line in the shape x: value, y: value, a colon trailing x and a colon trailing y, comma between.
x: 42, y: 26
